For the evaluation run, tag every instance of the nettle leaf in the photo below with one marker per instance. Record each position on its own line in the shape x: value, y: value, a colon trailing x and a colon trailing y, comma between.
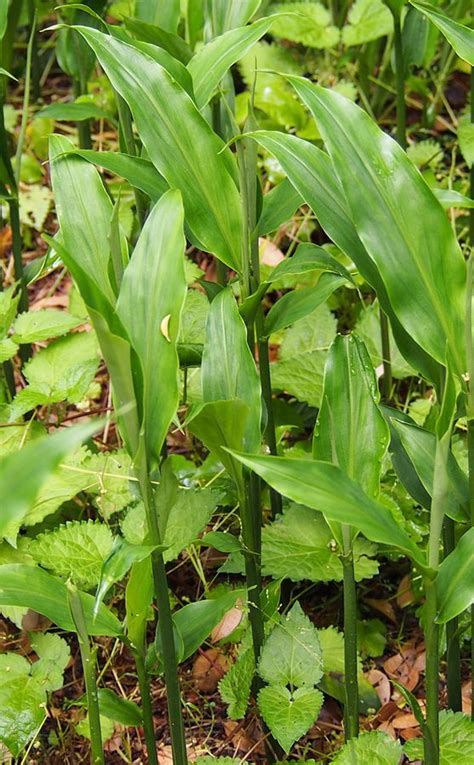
x: 298, y: 545
x: 108, y: 476
x: 289, y: 715
x: 8, y: 349
x: 300, y: 366
x: 291, y: 654
x: 367, y: 20
x: 34, y: 326
x: 374, y: 747
x: 332, y: 648
x: 61, y: 372
x: 456, y: 740
x: 54, y: 654
x: 236, y: 684
x: 76, y: 551
x: 35, y: 204
x: 22, y: 708
x: 314, y: 29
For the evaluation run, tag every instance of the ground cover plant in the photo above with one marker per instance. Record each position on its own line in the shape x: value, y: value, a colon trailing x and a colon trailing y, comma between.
x: 237, y: 413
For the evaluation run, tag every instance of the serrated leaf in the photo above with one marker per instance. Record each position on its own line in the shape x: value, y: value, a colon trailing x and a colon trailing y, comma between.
x: 367, y: 20
x: 8, y: 305
x: 22, y: 710
x: 76, y: 551
x: 108, y: 475
x: 300, y: 367
x: 456, y: 740
x: 291, y: 654
x: 7, y: 349
x: 35, y: 204
x: 297, y: 546
x: 34, y: 326
x: 236, y: 684
x: 289, y: 715
x: 374, y: 747
x: 314, y: 29
x: 54, y: 655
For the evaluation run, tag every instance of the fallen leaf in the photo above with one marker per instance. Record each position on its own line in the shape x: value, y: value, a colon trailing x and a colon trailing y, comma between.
x: 381, y: 685
x: 270, y: 255
x: 209, y: 667
x: 384, y: 606
x: 403, y: 721
x: 405, y: 596
x: 228, y: 624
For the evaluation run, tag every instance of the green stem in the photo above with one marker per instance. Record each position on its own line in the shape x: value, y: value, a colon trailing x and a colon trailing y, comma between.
x: 128, y: 139
x: 88, y: 658
x: 83, y: 126
x: 35, y: 64
x: 431, y: 675
x: 470, y: 441
x: 252, y: 565
x: 351, y: 707
x: 266, y: 383
x: 165, y: 625
x: 453, y: 655
x: 386, y: 358
x: 400, y: 79
x: 147, y: 708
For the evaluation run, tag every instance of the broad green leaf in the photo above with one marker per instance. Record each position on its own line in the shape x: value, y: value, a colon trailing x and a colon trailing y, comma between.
x: 107, y: 727
x: 3, y: 17
x: 150, y: 303
x: 228, y: 14
x: 456, y: 740
x: 118, y: 709
x: 22, y: 710
x: 390, y: 216
x: 460, y: 37
x: 34, y: 326
x: 73, y: 112
x: 48, y: 595
x: 138, y: 598
x: 180, y: 144
x: 29, y: 468
x: 291, y: 654
x: 236, y: 684
x: 75, y: 551
x: 150, y: 33
x: 326, y: 488
x: 351, y: 431
x: 8, y: 349
x: 297, y: 546
x: 455, y: 580
x: 297, y: 304
x: 300, y: 365
x: 228, y: 367
x: 278, y: 207
x: 139, y: 172
x: 367, y: 20
x: 375, y: 747
x: 53, y: 657
x: 161, y: 13
x: 209, y: 65
x: 289, y: 715
x: 311, y: 172
x: 448, y: 198
x: 308, y: 258
x: 116, y: 565
x: 313, y: 29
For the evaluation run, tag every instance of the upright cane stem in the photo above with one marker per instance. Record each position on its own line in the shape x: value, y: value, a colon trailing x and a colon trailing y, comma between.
x: 453, y: 649
x: 400, y: 75
x: 351, y: 707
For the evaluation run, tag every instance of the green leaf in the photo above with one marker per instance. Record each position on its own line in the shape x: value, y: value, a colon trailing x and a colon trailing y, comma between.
x: 8, y: 349
x: 367, y: 20
x: 291, y: 654
x: 8, y: 306
x: 311, y: 172
x: 29, y: 468
x: 297, y: 304
x: 61, y: 372
x: 449, y: 198
x: 150, y: 303
x: 308, y: 258
x: 180, y: 144
x: 228, y: 14
x: 209, y: 65
x: 75, y: 550
x: 456, y: 740
x: 22, y: 710
x: 455, y: 580
x: 236, y: 684
x: 118, y: 709
x: 150, y: 33
x: 325, y: 487
x: 34, y: 326
x: 289, y: 715
x: 300, y: 366
x: 139, y: 172
x: 193, y: 322
x: 73, y: 112
x: 115, y: 566
x: 107, y: 727
x: 351, y: 431
x: 278, y: 207
x: 466, y: 140
x: 186, y: 519
x: 460, y: 37
x: 389, y: 216
x: 297, y: 546
x: 48, y: 595
x: 228, y: 368
x: 161, y: 13
x: 54, y: 655
x: 368, y: 329
x: 375, y: 747
x: 313, y: 29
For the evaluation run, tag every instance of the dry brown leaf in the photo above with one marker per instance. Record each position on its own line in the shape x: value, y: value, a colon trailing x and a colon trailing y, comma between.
x: 388, y: 728
x: 403, y: 721
x: 245, y: 738
x: 381, y: 685
x: 405, y: 596
x: 402, y: 670
x: 384, y: 606
x: 228, y: 624
x: 209, y: 667
x: 270, y: 255
x: 387, y: 711
x: 467, y: 697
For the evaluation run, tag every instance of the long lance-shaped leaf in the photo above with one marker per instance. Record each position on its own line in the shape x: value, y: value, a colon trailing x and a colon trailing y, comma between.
x: 31, y: 587
x: 158, y: 36
x: 311, y: 172
x: 460, y: 37
x: 228, y: 369
x: 212, y: 61
x: 139, y: 172
x: 162, y: 13
x: 297, y: 304
x: 326, y: 488
x: 23, y: 473
x: 180, y: 144
x: 228, y: 14
x: 351, y: 431
x: 150, y: 303
x: 401, y: 224
x: 455, y: 580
